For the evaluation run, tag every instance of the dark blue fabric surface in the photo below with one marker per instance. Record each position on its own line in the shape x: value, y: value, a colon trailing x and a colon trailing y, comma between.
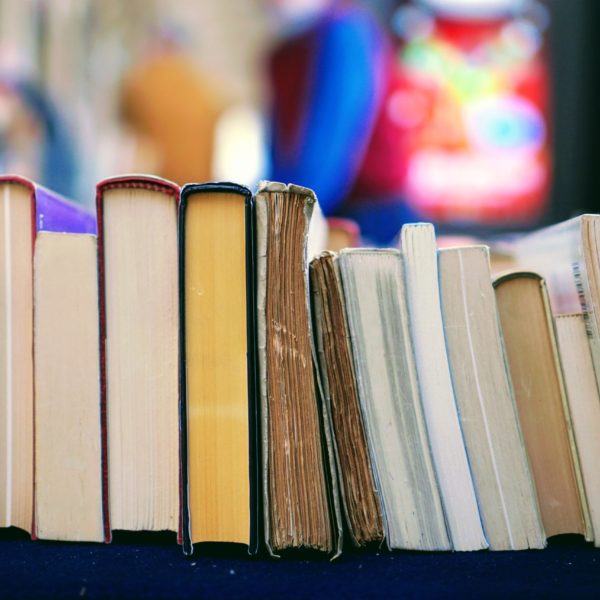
x: 152, y: 566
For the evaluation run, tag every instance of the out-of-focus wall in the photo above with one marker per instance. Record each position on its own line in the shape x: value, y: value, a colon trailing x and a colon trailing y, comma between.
x: 77, y: 51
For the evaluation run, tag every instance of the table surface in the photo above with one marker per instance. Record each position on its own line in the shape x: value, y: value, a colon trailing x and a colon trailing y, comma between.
x: 145, y: 565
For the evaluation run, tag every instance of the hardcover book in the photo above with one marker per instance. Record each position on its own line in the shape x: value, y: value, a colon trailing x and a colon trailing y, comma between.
x: 219, y: 445
x: 139, y: 350
x: 27, y: 209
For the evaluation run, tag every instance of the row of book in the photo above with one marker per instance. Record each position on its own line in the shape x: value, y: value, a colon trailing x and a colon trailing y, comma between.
x: 176, y: 362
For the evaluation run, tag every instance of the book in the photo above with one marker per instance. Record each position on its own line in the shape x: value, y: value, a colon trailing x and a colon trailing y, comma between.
x: 584, y: 406
x: 528, y: 332
x: 68, y: 440
x: 218, y: 357
x: 26, y: 209
x: 139, y: 346
x: 298, y: 471
x: 435, y: 384
x: 373, y: 283
x: 566, y: 256
x: 358, y: 490
x: 488, y: 416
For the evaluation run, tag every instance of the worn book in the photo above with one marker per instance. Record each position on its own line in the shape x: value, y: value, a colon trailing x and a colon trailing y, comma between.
x: 540, y: 395
x: 378, y: 321
x: 358, y: 490
x: 300, y: 496
x: 486, y: 406
x: 68, y: 438
x: 139, y: 349
x: 584, y: 405
x: 26, y: 210
x: 219, y: 448
x: 435, y: 384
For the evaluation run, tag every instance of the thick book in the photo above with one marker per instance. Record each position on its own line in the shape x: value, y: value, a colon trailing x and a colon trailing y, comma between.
x: 68, y: 440
x: 486, y: 406
x: 26, y: 210
x: 539, y: 390
x: 219, y: 448
x: 139, y: 349
x: 566, y: 256
x: 358, y: 489
x: 300, y: 496
x: 435, y: 383
x: 584, y: 405
x: 374, y: 293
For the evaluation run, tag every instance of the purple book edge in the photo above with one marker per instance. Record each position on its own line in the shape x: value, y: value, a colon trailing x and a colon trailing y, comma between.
x: 57, y: 214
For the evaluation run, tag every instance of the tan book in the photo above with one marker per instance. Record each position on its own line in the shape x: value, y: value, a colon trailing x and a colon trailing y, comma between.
x: 488, y: 415
x: 68, y: 454
x: 139, y: 306
x: 296, y: 463
x: 360, y: 497
x: 531, y: 350
x: 584, y: 405
x: 373, y: 283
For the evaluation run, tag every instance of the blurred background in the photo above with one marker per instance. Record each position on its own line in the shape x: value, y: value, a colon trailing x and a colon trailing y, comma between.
x: 480, y: 115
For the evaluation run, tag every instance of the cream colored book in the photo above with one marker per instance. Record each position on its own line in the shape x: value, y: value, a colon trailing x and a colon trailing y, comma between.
x: 373, y: 283
x: 584, y: 405
x: 488, y: 415
x: 435, y: 383
x: 139, y: 303
x: 16, y: 357
x: 68, y: 455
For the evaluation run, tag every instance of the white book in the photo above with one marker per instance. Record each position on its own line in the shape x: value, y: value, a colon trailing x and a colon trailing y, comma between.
x: 486, y: 405
x: 437, y: 394
x: 389, y: 397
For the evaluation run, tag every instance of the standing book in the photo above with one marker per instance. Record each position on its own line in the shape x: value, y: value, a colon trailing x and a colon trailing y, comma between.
x: 219, y: 445
x: 358, y: 490
x: 68, y: 440
x: 435, y: 383
x: 503, y: 482
x: 300, y: 496
x: 382, y: 348
x: 27, y: 209
x: 139, y: 349
x: 536, y: 374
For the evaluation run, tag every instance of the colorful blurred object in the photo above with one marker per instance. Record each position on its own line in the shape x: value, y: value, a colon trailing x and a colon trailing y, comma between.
x: 473, y: 112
